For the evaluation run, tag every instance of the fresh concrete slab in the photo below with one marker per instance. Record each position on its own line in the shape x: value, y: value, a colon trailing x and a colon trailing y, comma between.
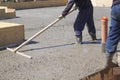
x: 55, y: 54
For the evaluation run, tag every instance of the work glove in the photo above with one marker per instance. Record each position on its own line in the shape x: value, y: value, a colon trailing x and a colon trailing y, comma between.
x: 75, y: 8
x: 61, y: 16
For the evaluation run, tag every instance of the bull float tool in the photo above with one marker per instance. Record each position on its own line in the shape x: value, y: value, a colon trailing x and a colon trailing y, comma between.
x: 34, y: 36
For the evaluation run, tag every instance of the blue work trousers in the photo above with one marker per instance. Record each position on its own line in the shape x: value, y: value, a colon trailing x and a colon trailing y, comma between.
x: 114, y: 32
x: 85, y: 16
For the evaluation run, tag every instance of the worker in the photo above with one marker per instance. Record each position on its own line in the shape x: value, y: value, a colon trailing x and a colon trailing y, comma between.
x: 114, y: 31
x: 85, y: 15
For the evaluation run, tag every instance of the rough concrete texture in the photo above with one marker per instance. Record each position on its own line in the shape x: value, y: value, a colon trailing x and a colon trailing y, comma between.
x: 55, y: 54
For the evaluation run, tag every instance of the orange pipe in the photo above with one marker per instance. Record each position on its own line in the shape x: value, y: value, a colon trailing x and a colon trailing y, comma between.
x: 104, y: 24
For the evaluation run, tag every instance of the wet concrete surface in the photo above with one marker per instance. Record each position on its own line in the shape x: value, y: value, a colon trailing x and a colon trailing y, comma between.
x: 55, y: 54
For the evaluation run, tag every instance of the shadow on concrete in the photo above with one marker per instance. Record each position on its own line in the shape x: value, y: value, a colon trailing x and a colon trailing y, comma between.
x: 16, y: 45
x: 9, y: 18
x: 98, y: 41
x: 32, y: 42
x: 48, y: 47
x: 61, y: 45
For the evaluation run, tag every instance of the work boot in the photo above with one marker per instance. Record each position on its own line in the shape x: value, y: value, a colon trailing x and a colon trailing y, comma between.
x: 93, y: 36
x: 109, y: 57
x: 79, y: 39
x: 118, y: 59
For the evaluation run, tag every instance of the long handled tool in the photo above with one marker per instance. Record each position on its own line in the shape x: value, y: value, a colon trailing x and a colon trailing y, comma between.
x: 34, y: 36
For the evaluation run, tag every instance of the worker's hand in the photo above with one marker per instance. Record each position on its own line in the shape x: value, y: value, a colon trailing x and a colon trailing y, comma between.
x: 60, y: 17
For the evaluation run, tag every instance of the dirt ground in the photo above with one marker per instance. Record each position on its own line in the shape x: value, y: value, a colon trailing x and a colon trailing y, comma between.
x: 55, y: 54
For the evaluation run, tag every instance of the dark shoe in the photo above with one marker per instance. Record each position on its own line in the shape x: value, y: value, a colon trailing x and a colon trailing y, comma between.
x: 79, y: 39
x: 93, y: 36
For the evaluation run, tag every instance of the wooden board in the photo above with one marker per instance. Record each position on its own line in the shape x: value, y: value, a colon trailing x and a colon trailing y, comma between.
x: 110, y: 73
x: 11, y: 33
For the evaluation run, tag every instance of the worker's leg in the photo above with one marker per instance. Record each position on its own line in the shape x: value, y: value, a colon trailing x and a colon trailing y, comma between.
x: 114, y: 34
x: 90, y: 24
x: 80, y: 23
